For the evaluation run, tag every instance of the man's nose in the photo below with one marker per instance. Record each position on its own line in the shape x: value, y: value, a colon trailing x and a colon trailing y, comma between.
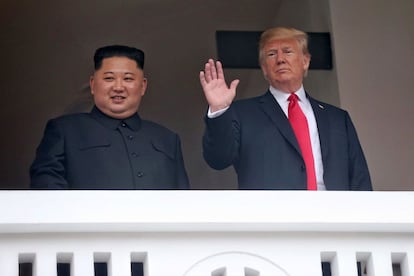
x: 119, y: 84
x: 280, y: 58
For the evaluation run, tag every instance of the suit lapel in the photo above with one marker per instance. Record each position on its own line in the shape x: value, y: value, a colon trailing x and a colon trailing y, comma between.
x: 322, y: 123
x: 273, y: 110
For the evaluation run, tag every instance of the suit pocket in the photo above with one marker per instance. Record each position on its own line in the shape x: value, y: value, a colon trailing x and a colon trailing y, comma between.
x: 165, y: 148
x: 90, y: 144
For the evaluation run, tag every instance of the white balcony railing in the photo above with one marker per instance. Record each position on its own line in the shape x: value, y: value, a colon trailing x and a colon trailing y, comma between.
x: 207, y: 233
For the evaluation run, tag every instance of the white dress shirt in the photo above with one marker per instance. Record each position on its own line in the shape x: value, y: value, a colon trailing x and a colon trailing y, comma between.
x: 282, y: 99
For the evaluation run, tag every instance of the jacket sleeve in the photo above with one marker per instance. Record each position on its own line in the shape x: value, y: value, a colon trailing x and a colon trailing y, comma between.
x: 48, y: 168
x: 221, y: 140
x: 359, y: 176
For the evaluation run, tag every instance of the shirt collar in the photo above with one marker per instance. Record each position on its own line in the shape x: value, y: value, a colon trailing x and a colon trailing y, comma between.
x: 133, y: 122
x: 281, y: 96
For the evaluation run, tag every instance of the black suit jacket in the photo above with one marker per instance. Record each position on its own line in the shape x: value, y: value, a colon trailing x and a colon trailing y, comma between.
x: 94, y: 151
x: 255, y: 136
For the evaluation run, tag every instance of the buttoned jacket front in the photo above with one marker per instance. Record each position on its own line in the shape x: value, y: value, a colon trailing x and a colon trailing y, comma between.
x: 255, y: 137
x: 94, y: 151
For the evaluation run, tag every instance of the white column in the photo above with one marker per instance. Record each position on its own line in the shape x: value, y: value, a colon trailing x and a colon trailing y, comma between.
x: 233, y: 269
x: 82, y: 263
x: 45, y: 264
x: 344, y: 264
x: 407, y: 264
x: 120, y: 264
x: 379, y: 264
x: 9, y: 263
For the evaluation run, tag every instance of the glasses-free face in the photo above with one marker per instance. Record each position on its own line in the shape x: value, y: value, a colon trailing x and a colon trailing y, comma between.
x: 284, y: 64
x: 118, y: 86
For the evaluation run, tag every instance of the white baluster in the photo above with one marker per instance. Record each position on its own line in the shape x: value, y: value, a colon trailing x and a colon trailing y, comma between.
x: 379, y: 264
x: 407, y: 264
x: 344, y: 264
x: 235, y: 269
x: 45, y: 264
x: 82, y: 264
x: 119, y: 264
x: 9, y: 263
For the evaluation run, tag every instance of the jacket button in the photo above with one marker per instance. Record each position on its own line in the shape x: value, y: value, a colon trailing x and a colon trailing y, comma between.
x: 134, y: 154
x: 140, y: 174
x: 302, y: 168
x: 130, y: 137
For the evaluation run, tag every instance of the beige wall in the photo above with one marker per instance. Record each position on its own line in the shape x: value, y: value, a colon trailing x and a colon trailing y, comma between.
x: 47, y: 58
x: 374, y: 50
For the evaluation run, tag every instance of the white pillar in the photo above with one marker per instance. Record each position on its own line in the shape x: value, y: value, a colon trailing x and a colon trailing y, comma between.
x: 344, y: 264
x: 45, y: 264
x: 379, y: 264
x: 9, y: 263
x: 83, y: 264
x: 120, y: 264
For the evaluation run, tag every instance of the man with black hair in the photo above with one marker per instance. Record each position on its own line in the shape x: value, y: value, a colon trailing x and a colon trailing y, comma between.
x: 111, y: 147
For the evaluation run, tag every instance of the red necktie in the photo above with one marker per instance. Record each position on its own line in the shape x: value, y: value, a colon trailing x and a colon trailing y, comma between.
x: 300, y: 127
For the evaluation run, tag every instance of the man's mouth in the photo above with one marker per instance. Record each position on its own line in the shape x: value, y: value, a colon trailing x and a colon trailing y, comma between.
x: 282, y: 70
x: 118, y: 99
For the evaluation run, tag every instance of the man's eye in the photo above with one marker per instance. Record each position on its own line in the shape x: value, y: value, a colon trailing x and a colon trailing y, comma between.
x: 108, y: 78
x: 271, y: 54
x: 128, y: 79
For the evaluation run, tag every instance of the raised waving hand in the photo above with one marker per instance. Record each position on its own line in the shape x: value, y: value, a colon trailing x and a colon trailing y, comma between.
x: 216, y: 91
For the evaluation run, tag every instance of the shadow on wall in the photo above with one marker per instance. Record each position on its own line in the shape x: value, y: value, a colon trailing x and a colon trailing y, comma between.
x: 82, y: 103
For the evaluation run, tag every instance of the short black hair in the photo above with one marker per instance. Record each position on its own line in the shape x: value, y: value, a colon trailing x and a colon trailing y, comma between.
x: 118, y: 51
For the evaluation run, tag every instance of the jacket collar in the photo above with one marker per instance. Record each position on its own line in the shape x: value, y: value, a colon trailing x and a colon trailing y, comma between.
x: 273, y: 110
x: 275, y: 113
x: 133, y: 122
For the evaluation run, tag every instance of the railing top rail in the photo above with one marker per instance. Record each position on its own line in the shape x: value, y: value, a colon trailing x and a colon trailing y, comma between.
x: 195, y: 210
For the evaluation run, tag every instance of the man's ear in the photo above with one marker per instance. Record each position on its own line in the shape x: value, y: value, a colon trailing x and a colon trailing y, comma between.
x: 144, y: 86
x: 91, y: 84
x: 306, y: 62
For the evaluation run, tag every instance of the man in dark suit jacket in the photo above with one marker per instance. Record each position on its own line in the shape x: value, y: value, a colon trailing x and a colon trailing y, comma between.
x: 111, y: 147
x: 255, y: 135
